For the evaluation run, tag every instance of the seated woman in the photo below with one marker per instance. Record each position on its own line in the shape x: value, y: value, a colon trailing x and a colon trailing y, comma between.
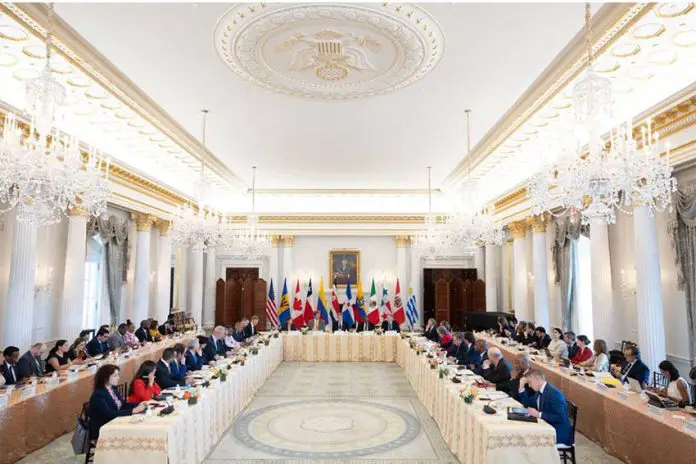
x: 504, y: 329
x: 144, y: 387
x: 154, y: 331
x: 600, y: 359
x: 194, y: 354
x: 106, y: 403
x: 558, y: 347
x: 58, y: 358
x: 584, y: 352
x: 677, y: 389
x: 520, y: 332
x: 77, y: 352
x: 444, y: 337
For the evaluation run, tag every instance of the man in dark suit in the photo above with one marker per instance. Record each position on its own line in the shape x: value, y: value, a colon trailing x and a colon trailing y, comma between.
x: 498, y: 371
x: 238, y: 333
x: 390, y: 324
x: 288, y: 326
x: 340, y: 324
x: 542, y: 338
x: 478, y: 356
x: 547, y: 403
x: 252, y: 329
x: 31, y: 364
x: 99, y: 345
x: 430, y: 331
x: 573, y: 347
x: 529, y: 338
x: 365, y: 326
x: 8, y: 369
x: 164, y: 376
x: 215, y: 348
x: 632, y: 368
x: 143, y: 333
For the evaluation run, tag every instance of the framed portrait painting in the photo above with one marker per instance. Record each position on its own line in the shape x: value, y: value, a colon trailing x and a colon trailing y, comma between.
x: 344, y: 264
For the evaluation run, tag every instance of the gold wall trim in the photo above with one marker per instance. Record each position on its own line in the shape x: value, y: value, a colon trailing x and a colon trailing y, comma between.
x: 417, y: 219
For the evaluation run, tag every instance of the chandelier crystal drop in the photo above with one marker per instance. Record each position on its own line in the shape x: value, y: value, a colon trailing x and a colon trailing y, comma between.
x: 434, y: 241
x: 43, y: 173
x: 249, y: 242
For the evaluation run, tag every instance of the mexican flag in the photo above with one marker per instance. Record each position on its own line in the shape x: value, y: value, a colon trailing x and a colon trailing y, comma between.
x: 373, y: 310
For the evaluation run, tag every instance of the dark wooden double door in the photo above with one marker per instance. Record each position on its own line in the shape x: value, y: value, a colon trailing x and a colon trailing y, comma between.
x: 450, y: 294
x: 241, y: 294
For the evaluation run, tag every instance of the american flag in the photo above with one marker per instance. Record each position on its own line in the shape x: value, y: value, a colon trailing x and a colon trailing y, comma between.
x: 271, y: 307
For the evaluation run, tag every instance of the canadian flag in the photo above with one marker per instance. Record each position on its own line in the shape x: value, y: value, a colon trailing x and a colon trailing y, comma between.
x: 297, y: 314
x: 398, y: 314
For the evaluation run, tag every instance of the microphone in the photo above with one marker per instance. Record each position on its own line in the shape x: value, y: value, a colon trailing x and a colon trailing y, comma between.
x: 490, y: 410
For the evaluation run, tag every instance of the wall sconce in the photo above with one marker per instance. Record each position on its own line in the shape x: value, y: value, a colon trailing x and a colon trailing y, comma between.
x: 43, y: 282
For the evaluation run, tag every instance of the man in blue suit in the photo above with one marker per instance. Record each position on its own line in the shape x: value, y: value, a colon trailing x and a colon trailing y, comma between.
x: 547, y: 403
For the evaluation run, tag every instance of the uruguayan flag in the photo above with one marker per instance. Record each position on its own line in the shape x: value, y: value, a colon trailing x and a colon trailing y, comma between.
x: 411, y: 311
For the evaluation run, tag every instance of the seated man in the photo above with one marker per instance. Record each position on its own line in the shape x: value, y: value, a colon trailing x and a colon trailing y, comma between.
x: 470, y: 347
x: 365, y: 326
x: 543, y: 340
x: 457, y: 345
x: 390, y: 324
x: 164, y: 376
x: 178, y: 364
x: 317, y: 324
x: 31, y: 364
x: 288, y: 326
x: 340, y: 324
x: 143, y: 333
x: 215, y: 348
x: 529, y: 338
x: 547, y: 403
x: 573, y: 348
x: 498, y: 371
x: 8, y: 369
x: 99, y: 344
x: 632, y: 368
x: 238, y: 333
x: 478, y: 356
x: 252, y: 329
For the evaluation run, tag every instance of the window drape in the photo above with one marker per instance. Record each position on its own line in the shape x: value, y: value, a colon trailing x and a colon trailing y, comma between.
x: 567, y: 229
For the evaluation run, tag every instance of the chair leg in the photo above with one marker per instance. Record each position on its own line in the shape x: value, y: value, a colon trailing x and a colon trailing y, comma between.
x: 572, y: 454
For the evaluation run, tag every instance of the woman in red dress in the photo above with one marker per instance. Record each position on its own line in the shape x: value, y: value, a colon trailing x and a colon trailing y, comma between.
x: 143, y: 387
x: 584, y: 352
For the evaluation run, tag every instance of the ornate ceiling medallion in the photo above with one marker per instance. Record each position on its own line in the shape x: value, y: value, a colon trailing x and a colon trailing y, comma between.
x: 329, y: 51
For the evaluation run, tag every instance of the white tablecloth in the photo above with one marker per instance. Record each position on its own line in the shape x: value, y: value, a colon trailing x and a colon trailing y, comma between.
x: 473, y: 436
x: 188, y: 434
x: 340, y: 346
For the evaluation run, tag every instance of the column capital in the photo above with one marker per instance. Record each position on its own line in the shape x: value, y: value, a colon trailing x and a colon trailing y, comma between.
x: 143, y: 221
x: 163, y: 227
x: 288, y: 240
x: 78, y: 210
x: 538, y: 223
x: 274, y: 240
x: 401, y: 241
x: 518, y: 229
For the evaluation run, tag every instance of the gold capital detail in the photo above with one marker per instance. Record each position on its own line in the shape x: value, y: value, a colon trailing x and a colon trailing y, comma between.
x: 143, y: 222
x: 163, y: 227
x: 538, y: 223
x: 78, y: 210
x: 274, y: 240
x: 288, y: 240
x: 518, y: 229
x: 401, y: 241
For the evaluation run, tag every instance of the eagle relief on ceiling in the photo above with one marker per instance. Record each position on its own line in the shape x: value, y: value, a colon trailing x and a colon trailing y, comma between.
x: 329, y: 51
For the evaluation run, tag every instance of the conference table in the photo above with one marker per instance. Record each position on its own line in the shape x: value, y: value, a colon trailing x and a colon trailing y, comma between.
x: 623, y: 424
x: 35, y: 416
x: 340, y: 346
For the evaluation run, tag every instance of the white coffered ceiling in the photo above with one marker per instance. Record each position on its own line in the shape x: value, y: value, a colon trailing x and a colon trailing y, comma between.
x: 492, y: 53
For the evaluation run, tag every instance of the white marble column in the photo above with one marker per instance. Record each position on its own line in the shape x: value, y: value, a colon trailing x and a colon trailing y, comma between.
x: 651, y: 321
x: 164, y: 273
x: 181, y: 279
x: 210, y: 289
x: 196, y: 308
x: 273, y: 263
x: 288, y: 241
x: 519, y: 271
x: 491, y: 279
x: 602, y: 294
x: 541, y: 281
x: 74, y: 275
x: 416, y: 280
x: 17, y: 321
x: 479, y: 262
x: 141, y: 282
x: 506, y: 268
x: 401, y: 244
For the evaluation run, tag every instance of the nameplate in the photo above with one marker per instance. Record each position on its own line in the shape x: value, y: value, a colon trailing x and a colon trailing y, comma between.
x: 603, y: 388
x: 28, y: 392
x: 623, y: 396
x: 92, y: 369
x: 689, y: 426
x: 72, y: 376
x: 4, y: 401
x: 53, y: 382
x: 658, y: 413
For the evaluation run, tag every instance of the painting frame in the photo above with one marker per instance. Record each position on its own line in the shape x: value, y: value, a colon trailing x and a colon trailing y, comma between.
x: 352, y: 255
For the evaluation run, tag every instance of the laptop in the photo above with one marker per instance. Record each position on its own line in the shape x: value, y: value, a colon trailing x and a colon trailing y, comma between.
x: 520, y: 415
x: 660, y: 402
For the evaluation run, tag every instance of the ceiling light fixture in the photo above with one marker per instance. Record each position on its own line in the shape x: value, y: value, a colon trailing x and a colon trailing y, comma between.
x: 434, y: 241
x: 250, y: 242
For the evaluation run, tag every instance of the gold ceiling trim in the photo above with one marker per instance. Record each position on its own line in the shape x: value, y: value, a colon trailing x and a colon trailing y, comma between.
x: 71, y: 45
x: 415, y: 219
x: 612, y: 21
x: 323, y: 191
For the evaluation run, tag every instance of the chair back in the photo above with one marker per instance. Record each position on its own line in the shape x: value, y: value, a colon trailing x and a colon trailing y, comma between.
x: 659, y: 380
x: 572, y: 416
x: 123, y: 390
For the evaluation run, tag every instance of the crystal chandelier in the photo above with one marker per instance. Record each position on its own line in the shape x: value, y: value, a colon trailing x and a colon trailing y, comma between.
x: 434, y: 241
x: 250, y: 242
x: 598, y: 176
x: 44, y: 173
x: 201, y: 227
x: 473, y: 226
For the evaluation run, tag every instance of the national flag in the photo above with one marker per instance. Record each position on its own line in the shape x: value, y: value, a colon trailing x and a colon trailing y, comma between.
x: 347, y: 313
x: 284, y: 308
x: 360, y: 304
x: 308, y: 309
x: 321, y: 302
x: 373, y: 313
x: 412, y: 311
x: 335, y: 306
x: 271, y: 308
x: 297, y: 315
x: 398, y: 315
x: 385, y: 304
